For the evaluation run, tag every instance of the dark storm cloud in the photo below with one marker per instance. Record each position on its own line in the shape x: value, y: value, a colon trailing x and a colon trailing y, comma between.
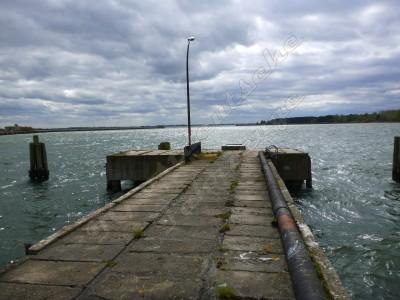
x: 118, y: 62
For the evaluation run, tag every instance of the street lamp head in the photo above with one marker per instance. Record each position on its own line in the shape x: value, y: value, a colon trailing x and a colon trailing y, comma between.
x: 191, y: 38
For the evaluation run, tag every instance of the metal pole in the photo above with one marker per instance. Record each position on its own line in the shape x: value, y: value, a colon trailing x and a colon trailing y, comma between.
x: 187, y: 94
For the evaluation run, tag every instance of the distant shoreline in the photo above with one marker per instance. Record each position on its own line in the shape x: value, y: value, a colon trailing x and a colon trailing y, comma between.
x: 83, y: 129
x: 326, y: 123
x: 386, y: 116
x: 79, y: 129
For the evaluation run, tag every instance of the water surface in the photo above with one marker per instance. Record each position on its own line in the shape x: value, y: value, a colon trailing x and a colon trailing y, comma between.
x: 354, y: 208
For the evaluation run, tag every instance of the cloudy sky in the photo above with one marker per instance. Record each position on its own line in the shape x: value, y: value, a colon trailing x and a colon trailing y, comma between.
x: 122, y: 62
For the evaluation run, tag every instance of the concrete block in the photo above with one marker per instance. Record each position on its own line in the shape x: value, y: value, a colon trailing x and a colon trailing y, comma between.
x: 159, y: 264
x: 252, y: 211
x: 138, y: 208
x: 253, y: 262
x: 196, y: 210
x: 147, y: 201
x: 256, y: 285
x: 129, y: 286
x: 244, y: 243
x: 128, y: 216
x: 53, y: 272
x: 140, y: 165
x: 252, y: 203
x: 182, y: 232
x: 79, y: 252
x: 188, y: 220
x: 179, y: 246
x: 97, y: 237
x: 250, y: 197
x: 254, y: 230
x: 16, y: 291
x: 117, y: 226
x: 250, y: 219
x: 294, y: 166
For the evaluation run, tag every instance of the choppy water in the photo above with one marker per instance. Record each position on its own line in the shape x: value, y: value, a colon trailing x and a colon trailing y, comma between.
x: 354, y: 208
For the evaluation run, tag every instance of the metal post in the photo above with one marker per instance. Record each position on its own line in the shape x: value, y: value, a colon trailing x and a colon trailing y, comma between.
x: 187, y: 94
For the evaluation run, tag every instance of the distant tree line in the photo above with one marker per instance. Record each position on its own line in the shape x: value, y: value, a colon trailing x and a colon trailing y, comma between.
x: 16, y: 129
x: 383, y: 116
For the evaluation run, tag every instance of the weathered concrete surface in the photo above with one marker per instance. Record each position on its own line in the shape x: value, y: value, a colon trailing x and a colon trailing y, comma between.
x: 10, y: 291
x: 204, y: 227
x: 54, y: 272
x: 140, y: 164
x: 80, y: 252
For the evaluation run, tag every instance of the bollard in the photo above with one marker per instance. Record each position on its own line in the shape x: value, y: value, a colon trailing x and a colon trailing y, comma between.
x: 164, y: 146
x: 396, y: 159
x: 188, y: 151
x: 37, y: 151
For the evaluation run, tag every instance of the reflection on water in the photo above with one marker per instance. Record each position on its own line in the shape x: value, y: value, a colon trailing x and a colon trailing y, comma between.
x: 354, y: 208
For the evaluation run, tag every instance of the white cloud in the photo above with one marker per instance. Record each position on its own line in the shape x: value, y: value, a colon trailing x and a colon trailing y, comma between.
x: 65, y: 63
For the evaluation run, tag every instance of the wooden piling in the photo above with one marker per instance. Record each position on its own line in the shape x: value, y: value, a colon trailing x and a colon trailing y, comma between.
x: 39, y: 170
x: 396, y: 159
x: 309, y: 179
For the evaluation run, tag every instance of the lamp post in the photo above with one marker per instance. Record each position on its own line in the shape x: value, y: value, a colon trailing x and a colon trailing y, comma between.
x: 190, y: 39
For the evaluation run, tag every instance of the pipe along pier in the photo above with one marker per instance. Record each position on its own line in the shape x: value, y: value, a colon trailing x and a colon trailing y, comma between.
x: 215, y: 225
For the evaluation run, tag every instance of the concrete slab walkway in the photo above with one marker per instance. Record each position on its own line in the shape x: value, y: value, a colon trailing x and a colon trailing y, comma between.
x: 204, y: 231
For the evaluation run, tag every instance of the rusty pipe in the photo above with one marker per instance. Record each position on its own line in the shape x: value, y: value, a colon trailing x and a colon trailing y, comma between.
x: 306, y: 284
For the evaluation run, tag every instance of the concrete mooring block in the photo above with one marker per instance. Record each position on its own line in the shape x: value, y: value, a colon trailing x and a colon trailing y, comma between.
x: 139, y: 165
x: 294, y: 166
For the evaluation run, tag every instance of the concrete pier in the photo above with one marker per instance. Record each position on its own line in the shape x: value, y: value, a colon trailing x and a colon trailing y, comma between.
x: 198, y: 230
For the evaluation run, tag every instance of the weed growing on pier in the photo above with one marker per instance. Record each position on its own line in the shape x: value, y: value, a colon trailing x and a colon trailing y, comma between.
x: 229, y: 203
x: 220, y: 261
x: 138, y: 233
x: 206, y: 156
x: 225, y: 216
x: 233, y: 186
x: 110, y: 263
x: 226, y: 292
x: 222, y: 249
x: 274, y: 222
x: 226, y: 227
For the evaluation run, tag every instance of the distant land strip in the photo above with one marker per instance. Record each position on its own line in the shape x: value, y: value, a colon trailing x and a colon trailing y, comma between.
x: 387, y: 116
x: 376, y: 117
x: 16, y: 129
x: 26, y: 129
